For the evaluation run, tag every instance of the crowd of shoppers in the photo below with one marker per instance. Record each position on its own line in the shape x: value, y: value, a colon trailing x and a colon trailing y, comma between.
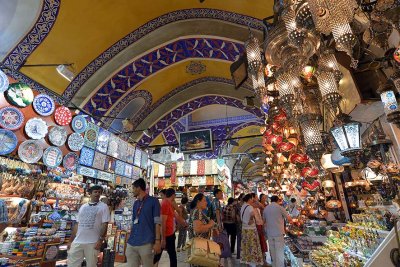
x: 249, y: 221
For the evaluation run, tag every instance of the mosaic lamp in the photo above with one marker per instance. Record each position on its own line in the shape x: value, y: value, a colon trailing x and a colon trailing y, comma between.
x: 253, y: 53
x: 348, y: 138
x: 312, y: 136
x: 286, y: 84
x: 327, y: 62
x: 329, y: 89
x: 390, y: 105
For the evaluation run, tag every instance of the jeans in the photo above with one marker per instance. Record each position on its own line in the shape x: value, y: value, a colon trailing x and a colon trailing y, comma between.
x: 276, y: 247
x: 231, y: 231
x: 136, y: 255
x: 170, y: 248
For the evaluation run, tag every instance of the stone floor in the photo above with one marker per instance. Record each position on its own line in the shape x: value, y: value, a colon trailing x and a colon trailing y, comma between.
x: 164, y: 262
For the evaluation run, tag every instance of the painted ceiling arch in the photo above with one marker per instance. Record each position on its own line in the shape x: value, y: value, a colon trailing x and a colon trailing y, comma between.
x: 168, y: 119
x: 129, y: 76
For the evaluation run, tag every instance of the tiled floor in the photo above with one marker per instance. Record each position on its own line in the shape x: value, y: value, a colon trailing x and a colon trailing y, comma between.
x: 164, y: 262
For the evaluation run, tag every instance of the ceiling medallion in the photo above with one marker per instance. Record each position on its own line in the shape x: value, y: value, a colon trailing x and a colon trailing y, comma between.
x: 195, y: 68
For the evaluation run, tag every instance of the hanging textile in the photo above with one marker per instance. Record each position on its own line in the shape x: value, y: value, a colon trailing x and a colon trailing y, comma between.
x: 188, y: 181
x: 156, y: 167
x: 201, y: 167
x: 181, y: 181
x: 167, y: 170
x: 168, y: 183
x: 193, y: 167
x: 202, y: 180
x: 173, y: 173
x: 214, y: 166
x: 179, y: 168
x: 161, y: 183
x: 209, y: 180
x: 216, y: 180
x: 195, y: 181
x: 186, y: 168
x: 161, y: 170
x: 208, y: 167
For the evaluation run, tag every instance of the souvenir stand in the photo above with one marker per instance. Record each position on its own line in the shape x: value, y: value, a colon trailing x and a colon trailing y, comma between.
x: 48, y: 158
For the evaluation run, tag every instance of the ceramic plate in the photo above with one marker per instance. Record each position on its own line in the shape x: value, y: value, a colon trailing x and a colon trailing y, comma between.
x: 70, y: 161
x: 11, y: 118
x: 8, y: 142
x: 4, y: 83
x: 58, y: 135
x: 79, y: 124
x: 63, y: 116
x: 75, y: 142
x: 44, y: 105
x: 19, y: 94
x: 30, y: 151
x: 36, y: 128
x: 52, y: 157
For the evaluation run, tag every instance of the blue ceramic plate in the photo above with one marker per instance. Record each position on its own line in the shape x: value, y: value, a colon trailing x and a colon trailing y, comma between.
x: 8, y: 142
x: 52, y: 157
x: 79, y: 124
x: 44, y: 105
x: 4, y: 83
x: 11, y: 118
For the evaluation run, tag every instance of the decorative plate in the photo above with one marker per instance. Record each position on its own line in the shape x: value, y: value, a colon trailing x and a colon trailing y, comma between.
x: 4, y: 83
x: 8, y: 142
x: 44, y: 105
x: 91, y: 134
x: 11, y: 118
x: 19, y: 94
x: 86, y: 157
x: 63, y: 116
x: 79, y: 124
x: 70, y: 161
x: 102, y: 140
x: 58, y: 135
x: 30, y: 151
x: 36, y: 128
x: 52, y: 157
x: 75, y: 142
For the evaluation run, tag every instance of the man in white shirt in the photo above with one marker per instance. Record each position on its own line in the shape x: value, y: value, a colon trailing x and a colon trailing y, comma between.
x: 89, y: 231
x: 274, y: 215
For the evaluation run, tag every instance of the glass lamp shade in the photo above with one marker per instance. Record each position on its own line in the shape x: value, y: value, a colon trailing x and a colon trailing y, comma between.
x: 259, y: 83
x: 368, y: 174
x: 253, y: 53
x: 327, y: 164
x: 329, y: 88
x: 348, y: 137
x: 338, y: 159
x: 286, y: 84
x: 328, y: 184
x: 311, y: 133
x: 389, y: 102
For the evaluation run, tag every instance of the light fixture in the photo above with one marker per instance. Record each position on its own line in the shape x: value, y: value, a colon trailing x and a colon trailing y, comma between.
x: 390, y: 105
x: 312, y: 136
x: 296, y: 36
x: 348, y: 138
x: 327, y: 164
x: 65, y: 72
x: 329, y: 89
x: 327, y: 62
x: 259, y: 84
x: 253, y: 53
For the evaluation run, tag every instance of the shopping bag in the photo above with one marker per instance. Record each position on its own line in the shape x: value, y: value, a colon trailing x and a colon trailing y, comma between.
x: 223, y: 241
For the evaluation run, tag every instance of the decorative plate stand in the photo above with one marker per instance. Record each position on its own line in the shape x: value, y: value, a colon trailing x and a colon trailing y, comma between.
x: 52, y: 157
x: 63, y: 116
x: 44, y: 105
x: 36, y: 128
x: 20, y: 95
x: 11, y: 118
x: 30, y: 151
x: 79, y: 124
x: 8, y: 142
x: 75, y: 142
x: 58, y: 135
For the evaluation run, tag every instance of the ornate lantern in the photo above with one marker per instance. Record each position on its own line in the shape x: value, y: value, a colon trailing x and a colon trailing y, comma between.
x: 253, y: 53
x: 390, y: 104
x: 286, y: 84
x: 327, y: 62
x: 348, y: 138
x: 312, y: 136
x: 329, y: 89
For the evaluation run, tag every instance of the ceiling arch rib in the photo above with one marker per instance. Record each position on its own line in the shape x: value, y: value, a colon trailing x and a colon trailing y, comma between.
x: 162, y: 29
x: 170, y: 118
x: 128, y: 77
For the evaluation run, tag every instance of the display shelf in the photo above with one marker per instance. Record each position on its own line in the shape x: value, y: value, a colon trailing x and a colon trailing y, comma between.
x: 356, y: 255
x: 381, y: 255
x: 381, y: 232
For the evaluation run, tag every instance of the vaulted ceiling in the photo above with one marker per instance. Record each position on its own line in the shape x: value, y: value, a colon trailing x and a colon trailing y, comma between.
x: 156, y: 63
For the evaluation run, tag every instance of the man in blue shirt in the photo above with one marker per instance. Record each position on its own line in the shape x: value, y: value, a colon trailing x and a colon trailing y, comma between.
x: 145, y: 238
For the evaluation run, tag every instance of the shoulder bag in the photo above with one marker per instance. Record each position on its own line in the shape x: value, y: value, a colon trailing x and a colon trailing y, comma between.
x: 203, y: 252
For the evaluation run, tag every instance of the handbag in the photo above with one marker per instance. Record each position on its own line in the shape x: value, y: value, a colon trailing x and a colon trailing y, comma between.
x: 203, y: 252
